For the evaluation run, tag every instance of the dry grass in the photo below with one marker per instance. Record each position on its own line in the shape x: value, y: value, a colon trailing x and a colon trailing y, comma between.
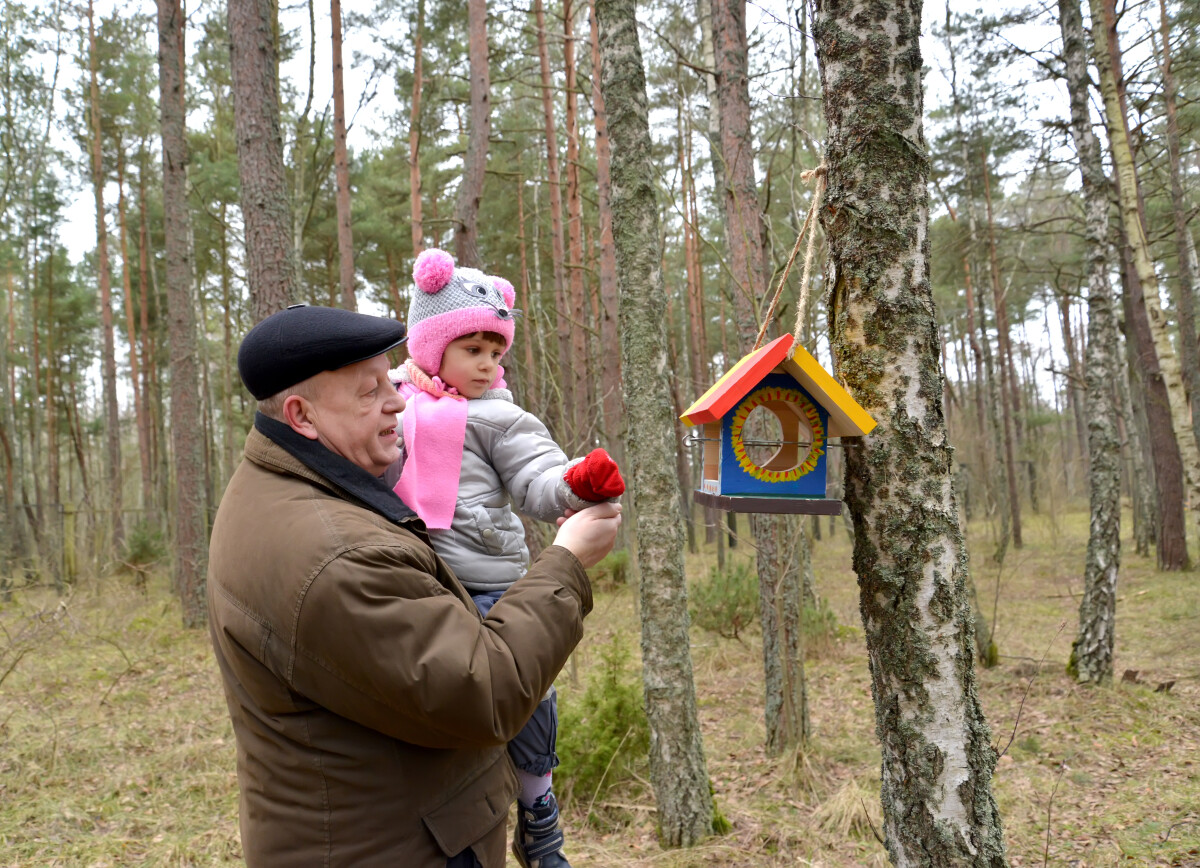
x: 115, y: 747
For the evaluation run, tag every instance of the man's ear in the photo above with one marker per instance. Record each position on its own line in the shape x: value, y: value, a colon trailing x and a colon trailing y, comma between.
x: 298, y: 413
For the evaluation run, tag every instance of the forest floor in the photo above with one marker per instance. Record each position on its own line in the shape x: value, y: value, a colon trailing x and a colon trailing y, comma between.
x: 116, y: 749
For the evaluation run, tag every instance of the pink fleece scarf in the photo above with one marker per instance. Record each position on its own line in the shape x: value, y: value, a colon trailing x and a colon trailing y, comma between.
x: 434, y: 425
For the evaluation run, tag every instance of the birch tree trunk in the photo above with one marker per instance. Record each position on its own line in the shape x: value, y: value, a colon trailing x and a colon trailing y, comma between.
x: 1184, y: 252
x: 470, y: 189
x: 189, y: 514
x: 341, y: 164
x: 1106, y: 51
x: 1092, y: 652
x: 678, y: 770
x: 908, y: 550
x: 271, y: 269
x: 108, y: 356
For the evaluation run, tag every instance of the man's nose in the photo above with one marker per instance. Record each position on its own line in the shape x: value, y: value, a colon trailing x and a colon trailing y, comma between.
x: 396, y: 403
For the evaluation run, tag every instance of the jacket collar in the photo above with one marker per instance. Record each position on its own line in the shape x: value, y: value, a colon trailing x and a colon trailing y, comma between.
x: 335, y: 470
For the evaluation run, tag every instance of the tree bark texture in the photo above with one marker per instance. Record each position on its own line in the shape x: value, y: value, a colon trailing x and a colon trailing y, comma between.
x: 782, y: 675
x: 1106, y: 55
x: 414, y: 134
x: 108, y: 356
x: 135, y: 380
x: 341, y: 165
x: 190, y: 514
x: 1189, y: 356
x: 908, y: 549
x: 1092, y: 653
x: 1170, y: 526
x: 270, y: 259
x: 678, y: 770
x: 470, y: 190
x: 554, y: 191
x: 613, y: 430
x: 1007, y: 374
x: 581, y: 386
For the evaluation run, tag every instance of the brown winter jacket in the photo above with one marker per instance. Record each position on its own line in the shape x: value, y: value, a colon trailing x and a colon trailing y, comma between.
x: 370, y: 702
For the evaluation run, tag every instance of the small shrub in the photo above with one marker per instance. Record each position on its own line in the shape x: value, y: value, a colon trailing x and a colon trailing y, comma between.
x: 726, y: 601
x: 144, y: 547
x: 822, y: 632
x: 603, y: 736
x: 612, y: 573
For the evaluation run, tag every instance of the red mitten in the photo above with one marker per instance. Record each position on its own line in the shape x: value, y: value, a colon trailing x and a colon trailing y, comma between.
x: 596, y: 477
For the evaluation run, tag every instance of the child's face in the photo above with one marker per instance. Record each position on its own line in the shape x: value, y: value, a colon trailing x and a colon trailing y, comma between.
x: 470, y: 364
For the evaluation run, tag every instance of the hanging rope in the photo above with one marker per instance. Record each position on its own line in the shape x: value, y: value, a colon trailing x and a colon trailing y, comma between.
x: 802, y: 302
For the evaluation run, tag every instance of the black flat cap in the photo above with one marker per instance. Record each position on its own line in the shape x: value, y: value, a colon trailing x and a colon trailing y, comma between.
x: 294, y: 344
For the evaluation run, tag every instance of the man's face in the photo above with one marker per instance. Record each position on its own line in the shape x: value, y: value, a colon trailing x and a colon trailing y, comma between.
x: 353, y: 411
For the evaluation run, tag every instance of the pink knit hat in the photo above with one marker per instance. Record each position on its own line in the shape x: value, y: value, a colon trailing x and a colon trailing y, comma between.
x: 454, y: 302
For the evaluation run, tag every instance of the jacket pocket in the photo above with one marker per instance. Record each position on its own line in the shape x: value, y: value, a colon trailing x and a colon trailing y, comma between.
x: 475, y: 807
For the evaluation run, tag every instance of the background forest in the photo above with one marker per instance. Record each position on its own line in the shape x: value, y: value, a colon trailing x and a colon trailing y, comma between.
x: 481, y: 129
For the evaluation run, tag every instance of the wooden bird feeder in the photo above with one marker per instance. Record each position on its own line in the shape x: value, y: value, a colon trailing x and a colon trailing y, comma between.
x: 810, y: 408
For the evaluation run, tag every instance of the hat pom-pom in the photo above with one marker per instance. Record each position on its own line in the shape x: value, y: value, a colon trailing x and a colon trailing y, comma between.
x: 433, y: 270
x: 506, y: 290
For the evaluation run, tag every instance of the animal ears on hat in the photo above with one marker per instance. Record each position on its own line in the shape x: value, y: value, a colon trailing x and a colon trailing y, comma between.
x: 433, y: 270
x: 506, y: 290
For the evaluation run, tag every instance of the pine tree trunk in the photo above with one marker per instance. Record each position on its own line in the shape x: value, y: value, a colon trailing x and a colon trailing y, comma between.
x: 937, y: 757
x: 108, y: 355
x: 414, y: 134
x: 1092, y: 653
x: 341, y: 165
x: 1107, y: 56
x: 270, y: 260
x: 150, y: 494
x: 1007, y: 373
x: 561, y: 301
x: 613, y: 428
x: 1142, y: 490
x: 581, y: 365
x: 139, y: 404
x: 677, y: 766
x: 470, y: 189
x: 1074, y: 390
x: 782, y: 674
x: 189, y: 513
x: 1170, y: 526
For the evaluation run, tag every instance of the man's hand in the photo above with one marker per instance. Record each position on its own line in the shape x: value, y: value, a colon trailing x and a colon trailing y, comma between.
x: 589, y: 534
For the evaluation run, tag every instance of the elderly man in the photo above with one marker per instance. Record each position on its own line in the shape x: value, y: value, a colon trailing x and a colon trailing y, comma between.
x: 370, y: 702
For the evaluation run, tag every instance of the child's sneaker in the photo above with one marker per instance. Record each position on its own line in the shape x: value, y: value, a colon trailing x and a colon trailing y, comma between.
x: 539, y: 839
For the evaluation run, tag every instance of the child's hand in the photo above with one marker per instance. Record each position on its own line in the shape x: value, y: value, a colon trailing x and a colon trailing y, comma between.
x: 596, y: 477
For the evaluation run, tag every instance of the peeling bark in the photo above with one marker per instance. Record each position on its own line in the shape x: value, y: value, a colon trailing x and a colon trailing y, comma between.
x: 1092, y: 653
x: 908, y: 550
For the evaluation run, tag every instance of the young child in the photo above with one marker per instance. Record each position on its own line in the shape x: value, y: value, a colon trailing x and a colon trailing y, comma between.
x: 470, y: 453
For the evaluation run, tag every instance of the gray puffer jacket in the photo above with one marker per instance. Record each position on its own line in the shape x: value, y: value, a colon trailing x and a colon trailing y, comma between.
x: 509, y: 459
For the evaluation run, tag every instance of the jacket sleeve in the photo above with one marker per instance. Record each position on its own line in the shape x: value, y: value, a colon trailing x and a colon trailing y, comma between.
x: 531, y: 467
x: 381, y: 640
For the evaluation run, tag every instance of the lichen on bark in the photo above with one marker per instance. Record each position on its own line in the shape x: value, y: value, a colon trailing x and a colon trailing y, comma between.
x: 909, y: 556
